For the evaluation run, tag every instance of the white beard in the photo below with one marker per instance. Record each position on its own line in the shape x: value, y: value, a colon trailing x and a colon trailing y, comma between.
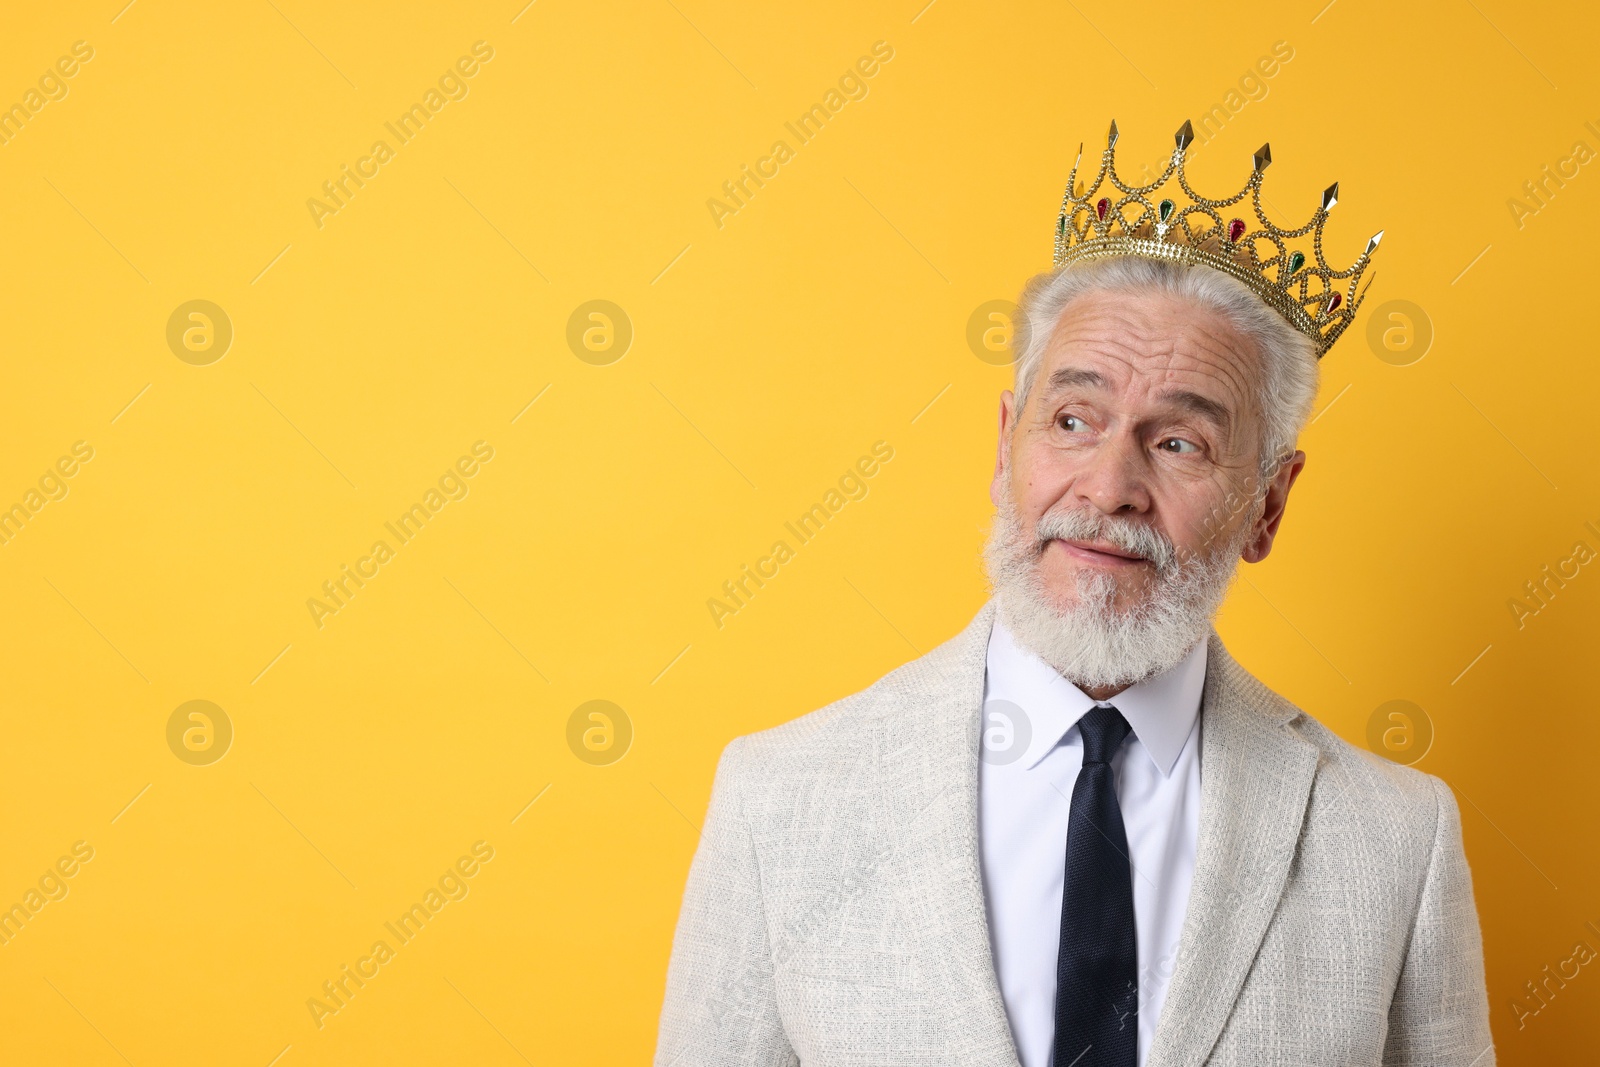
x: 1090, y: 642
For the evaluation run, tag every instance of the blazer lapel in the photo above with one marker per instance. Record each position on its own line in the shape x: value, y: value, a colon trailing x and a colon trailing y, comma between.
x: 1255, y: 780
x: 928, y: 746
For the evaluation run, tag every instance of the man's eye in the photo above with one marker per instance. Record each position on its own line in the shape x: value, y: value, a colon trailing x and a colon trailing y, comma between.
x: 1072, y: 424
x: 1178, y: 444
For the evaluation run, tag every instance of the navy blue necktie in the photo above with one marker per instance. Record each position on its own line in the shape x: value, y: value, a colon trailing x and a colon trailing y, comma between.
x: 1097, y: 982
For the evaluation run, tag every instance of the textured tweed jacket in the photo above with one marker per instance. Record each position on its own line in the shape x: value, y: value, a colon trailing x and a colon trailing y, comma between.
x: 835, y: 913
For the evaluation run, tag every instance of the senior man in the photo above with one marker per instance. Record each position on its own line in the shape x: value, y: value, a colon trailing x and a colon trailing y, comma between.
x: 1079, y: 833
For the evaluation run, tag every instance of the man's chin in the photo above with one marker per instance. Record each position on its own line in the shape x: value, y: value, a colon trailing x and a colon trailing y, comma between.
x: 1088, y: 588
x: 1096, y: 645
x: 1069, y: 602
x: 1096, y: 632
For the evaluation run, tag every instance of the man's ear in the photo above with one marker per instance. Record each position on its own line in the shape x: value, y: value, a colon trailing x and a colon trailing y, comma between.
x: 1002, y: 449
x: 1277, y: 499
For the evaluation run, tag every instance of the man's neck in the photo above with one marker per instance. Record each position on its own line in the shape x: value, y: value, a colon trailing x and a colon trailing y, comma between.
x: 1103, y: 692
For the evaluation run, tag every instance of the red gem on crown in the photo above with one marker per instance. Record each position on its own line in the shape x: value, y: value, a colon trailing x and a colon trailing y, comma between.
x: 1102, y: 206
x: 1235, y: 229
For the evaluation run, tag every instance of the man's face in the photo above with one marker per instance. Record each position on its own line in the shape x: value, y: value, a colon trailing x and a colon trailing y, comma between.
x: 1138, y: 452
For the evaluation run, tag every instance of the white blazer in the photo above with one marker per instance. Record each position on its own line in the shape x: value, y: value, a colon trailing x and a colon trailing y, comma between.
x: 834, y: 913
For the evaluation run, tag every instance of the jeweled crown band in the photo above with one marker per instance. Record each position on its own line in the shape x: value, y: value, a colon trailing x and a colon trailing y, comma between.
x: 1112, y: 218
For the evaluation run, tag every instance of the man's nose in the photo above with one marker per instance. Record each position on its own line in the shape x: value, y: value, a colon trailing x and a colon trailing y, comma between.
x: 1115, y: 477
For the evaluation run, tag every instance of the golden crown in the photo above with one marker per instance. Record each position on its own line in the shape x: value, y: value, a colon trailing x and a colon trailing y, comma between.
x: 1304, y: 291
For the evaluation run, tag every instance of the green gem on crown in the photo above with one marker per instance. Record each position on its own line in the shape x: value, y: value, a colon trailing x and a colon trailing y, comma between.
x: 1061, y: 226
x: 1296, y: 261
x: 1166, y: 209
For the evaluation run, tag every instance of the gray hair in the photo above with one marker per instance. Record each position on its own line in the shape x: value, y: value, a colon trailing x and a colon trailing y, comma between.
x: 1287, y: 384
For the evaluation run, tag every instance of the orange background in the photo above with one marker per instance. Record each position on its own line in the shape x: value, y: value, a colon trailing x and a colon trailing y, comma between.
x: 430, y: 312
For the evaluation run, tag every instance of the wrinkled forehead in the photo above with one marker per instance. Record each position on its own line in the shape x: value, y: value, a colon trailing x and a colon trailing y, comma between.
x: 1142, y: 346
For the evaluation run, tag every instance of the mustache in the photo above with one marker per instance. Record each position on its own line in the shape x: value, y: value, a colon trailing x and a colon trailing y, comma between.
x: 1138, y: 538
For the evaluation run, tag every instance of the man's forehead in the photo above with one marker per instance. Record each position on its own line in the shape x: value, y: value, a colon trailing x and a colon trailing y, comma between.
x: 1149, y: 341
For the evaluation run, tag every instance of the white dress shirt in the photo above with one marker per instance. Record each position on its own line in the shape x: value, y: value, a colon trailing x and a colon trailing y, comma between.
x: 1032, y: 752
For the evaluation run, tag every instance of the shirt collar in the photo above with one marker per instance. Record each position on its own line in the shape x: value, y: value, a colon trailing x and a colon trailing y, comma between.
x: 1162, y: 710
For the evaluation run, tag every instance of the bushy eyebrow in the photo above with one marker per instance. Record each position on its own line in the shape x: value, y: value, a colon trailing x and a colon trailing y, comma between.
x: 1068, y: 377
x: 1204, y: 406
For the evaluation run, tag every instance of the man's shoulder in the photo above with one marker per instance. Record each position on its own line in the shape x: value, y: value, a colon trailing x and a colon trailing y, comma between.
x: 1380, y: 784
x: 1372, y: 829
x: 1352, y: 785
x: 837, y: 738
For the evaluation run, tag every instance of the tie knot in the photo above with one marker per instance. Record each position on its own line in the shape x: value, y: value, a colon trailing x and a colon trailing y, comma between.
x: 1103, y: 729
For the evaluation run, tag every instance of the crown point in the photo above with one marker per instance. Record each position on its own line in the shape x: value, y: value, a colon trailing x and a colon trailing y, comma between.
x: 1330, y: 196
x: 1111, y: 138
x: 1263, y: 157
x: 1185, y: 135
x: 1372, y: 245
